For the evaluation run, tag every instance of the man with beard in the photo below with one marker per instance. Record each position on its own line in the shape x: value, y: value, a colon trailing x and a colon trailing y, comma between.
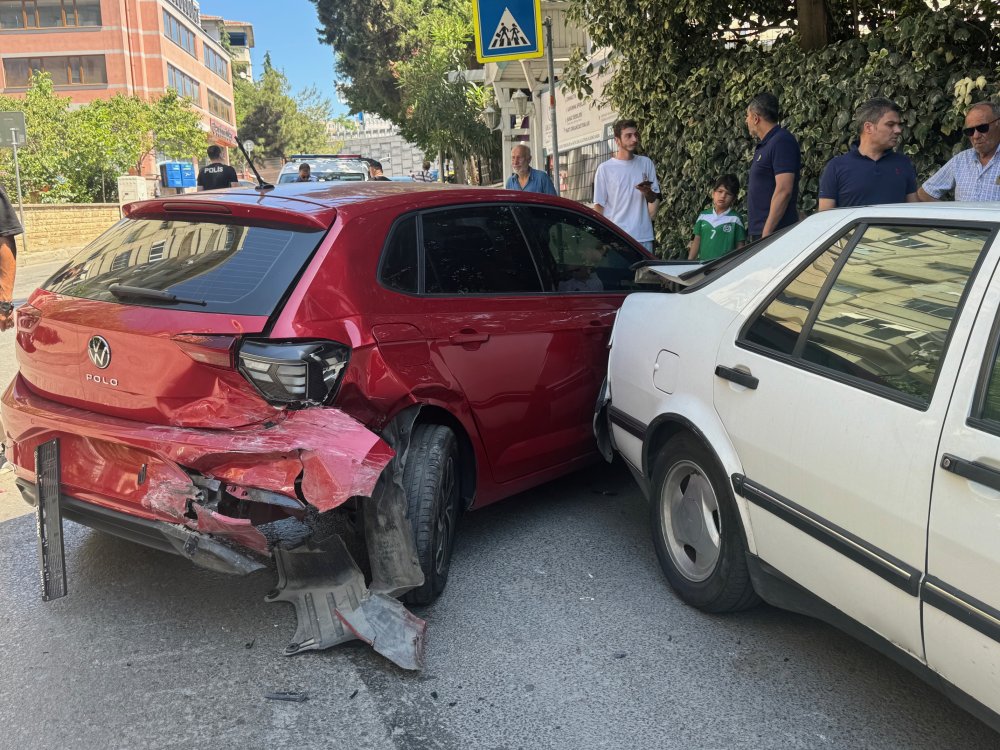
x: 625, y: 187
x: 526, y: 177
x: 872, y: 172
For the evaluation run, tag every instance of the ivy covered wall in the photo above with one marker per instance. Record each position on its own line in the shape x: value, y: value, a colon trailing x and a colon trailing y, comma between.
x: 689, y: 96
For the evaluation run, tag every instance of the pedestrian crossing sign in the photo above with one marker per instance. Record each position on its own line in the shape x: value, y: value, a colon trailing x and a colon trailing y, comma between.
x: 507, y: 29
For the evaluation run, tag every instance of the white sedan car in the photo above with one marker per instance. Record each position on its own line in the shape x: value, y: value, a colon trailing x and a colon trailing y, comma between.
x: 816, y: 421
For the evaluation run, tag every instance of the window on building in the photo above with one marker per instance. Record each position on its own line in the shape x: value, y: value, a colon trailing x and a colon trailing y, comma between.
x: 74, y: 70
x: 219, y: 107
x: 238, y: 38
x: 45, y: 14
x: 178, y: 33
x: 183, y: 84
x: 216, y: 63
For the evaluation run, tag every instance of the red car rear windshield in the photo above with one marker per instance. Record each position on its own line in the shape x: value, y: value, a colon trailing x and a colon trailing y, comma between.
x: 210, y: 267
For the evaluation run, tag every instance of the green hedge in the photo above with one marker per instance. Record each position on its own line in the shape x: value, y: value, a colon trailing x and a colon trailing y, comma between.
x: 692, y: 112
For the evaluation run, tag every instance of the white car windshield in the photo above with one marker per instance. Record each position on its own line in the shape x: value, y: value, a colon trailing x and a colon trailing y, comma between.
x: 326, y: 170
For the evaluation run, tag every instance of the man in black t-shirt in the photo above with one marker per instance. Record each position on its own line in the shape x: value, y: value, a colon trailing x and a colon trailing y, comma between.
x: 216, y: 176
x: 375, y: 170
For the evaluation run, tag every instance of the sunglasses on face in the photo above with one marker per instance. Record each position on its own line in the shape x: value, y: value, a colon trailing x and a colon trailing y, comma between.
x: 984, y: 128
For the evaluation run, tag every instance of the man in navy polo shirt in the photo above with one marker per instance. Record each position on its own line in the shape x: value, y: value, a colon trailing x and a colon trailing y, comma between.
x: 872, y: 172
x: 773, y: 190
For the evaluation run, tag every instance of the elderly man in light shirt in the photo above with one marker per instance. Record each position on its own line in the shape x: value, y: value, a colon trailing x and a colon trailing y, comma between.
x: 973, y: 174
x: 525, y: 177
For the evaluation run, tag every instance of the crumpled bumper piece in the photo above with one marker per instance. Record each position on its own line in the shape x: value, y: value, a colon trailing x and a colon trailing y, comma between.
x: 238, y: 530
x: 207, y: 552
x: 334, y: 456
x: 333, y: 606
x: 392, y: 551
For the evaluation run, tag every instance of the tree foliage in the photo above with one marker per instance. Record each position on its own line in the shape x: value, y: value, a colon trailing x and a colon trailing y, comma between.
x: 440, y: 113
x: 688, y: 85
x: 366, y: 38
x: 403, y: 59
x: 279, y: 123
x: 76, y: 155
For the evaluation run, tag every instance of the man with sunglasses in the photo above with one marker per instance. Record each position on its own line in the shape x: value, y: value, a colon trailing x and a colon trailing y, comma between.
x: 974, y: 174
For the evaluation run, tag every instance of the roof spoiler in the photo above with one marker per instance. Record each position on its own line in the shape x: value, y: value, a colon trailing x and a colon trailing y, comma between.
x: 226, y: 212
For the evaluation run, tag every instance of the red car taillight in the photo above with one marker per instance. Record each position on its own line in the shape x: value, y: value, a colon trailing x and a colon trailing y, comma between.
x: 294, y: 372
x: 216, y: 351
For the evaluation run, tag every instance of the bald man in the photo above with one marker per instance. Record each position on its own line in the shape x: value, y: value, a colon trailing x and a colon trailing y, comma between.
x: 526, y: 178
x: 973, y: 174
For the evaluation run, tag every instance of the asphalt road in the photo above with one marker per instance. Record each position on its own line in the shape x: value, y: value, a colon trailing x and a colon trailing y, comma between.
x: 556, y: 630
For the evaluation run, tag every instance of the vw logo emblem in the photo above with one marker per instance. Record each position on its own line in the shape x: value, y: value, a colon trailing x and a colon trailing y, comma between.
x: 99, y: 352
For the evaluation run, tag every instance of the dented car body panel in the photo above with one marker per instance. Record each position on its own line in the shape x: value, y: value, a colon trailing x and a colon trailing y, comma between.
x: 323, y: 454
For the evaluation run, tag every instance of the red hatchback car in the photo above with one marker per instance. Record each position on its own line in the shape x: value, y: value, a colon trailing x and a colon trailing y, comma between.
x: 227, y: 372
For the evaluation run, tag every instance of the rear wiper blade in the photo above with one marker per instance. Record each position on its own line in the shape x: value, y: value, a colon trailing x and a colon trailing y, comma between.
x: 121, y: 290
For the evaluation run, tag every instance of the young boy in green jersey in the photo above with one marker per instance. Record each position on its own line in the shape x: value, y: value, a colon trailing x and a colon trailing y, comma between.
x: 718, y: 229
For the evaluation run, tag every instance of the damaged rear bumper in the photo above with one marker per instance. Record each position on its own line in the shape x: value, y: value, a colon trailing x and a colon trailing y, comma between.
x: 227, y: 499
x: 201, y: 549
x: 253, y: 488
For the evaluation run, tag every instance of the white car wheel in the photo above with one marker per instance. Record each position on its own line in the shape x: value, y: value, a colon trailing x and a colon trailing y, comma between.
x: 696, y: 528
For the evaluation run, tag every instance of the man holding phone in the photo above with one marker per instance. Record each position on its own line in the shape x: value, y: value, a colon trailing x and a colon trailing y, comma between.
x: 625, y: 187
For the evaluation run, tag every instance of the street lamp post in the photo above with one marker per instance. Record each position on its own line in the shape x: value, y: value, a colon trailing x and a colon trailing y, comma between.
x: 552, y: 103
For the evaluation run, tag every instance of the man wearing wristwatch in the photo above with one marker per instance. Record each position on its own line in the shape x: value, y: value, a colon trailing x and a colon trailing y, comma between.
x: 9, y: 228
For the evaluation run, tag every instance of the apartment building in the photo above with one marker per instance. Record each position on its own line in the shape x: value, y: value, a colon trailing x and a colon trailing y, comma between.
x: 95, y: 49
x: 370, y: 135
x: 240, y: 35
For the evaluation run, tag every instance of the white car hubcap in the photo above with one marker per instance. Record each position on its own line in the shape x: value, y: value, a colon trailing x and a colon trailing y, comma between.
x: 689, y: 521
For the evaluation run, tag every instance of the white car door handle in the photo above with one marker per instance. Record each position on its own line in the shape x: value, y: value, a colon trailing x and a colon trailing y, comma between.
x: 737, y: 376
x: 974, y: 472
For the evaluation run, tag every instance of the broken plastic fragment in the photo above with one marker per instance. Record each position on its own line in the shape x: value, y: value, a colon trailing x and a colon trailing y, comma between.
x: 389, y: 628
x: 287, y: 695
x: 388, y: 534
x: 333, y: 605
x: 207, y: 552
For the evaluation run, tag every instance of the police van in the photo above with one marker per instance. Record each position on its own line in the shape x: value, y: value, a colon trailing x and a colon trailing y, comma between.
x: 326, y: 168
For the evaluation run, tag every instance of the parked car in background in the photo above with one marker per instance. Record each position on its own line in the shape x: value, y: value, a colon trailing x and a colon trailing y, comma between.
x: 326, y: 168
x: 238, y: 366
x: 816, y: 421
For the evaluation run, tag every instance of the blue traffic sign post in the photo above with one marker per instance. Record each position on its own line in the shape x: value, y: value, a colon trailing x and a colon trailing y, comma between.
x: 507, y: 29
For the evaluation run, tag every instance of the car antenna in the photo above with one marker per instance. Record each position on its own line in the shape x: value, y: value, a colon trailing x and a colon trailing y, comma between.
x: 245, y: 149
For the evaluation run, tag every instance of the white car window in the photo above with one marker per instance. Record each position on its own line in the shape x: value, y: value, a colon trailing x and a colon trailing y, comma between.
x: 885, y: 316
x: 779, y: 326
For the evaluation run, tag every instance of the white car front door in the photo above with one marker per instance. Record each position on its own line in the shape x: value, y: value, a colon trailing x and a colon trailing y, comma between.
x: 961, y: 593
x: 827, y: 388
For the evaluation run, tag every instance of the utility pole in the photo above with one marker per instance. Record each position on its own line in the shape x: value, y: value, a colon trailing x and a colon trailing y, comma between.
x: 17, y: 178
x: 552, y: 102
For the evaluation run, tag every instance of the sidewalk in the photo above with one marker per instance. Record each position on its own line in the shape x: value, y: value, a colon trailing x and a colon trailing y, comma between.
x: 31, y: 273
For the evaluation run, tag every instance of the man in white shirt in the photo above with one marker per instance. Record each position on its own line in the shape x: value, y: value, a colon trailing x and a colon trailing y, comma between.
x: 625, y: 187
